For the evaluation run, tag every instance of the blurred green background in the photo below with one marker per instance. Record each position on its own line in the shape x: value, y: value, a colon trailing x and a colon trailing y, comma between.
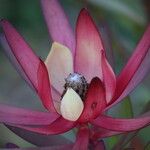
x: 122, y: 23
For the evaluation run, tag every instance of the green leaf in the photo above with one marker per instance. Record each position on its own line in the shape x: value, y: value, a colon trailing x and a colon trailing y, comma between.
x: 119, y: 7
x: 126, y: 108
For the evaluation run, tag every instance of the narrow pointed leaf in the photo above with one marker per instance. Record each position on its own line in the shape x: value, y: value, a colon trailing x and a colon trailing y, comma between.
x: 82, y: 139
x: 57, y: 127
x: 89, y: 45
x: 33, y: 68
x: 57, y: 23
x: 13, y: 60
x: 95, y: 101
x: 15, y: 115
x: 103, y: 133
x: 63, y: 147
x: 44, y: 88
x: 109, y: 78
x: 135, y: 70
x: 124, y: 125
x: 40, y: 139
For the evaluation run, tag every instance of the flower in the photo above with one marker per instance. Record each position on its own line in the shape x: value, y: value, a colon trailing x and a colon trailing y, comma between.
x: 81, y: 58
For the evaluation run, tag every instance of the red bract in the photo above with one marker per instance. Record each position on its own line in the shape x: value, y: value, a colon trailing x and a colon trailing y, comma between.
x: 86, y: 58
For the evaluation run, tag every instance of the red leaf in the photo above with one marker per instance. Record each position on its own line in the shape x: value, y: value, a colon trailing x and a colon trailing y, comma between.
x: 57, y: 127
x: 21, y: 116
x: 89, y: 45
x: 82, y: 139
x: 32, y: 67
x: 44, y: 88
x: 94, y: 102
x: 40, y: 139
x: 62, y: 147
x: 124, y: 125
x: 135, y: 70
x: 98, y: 133
x: 109, y: 78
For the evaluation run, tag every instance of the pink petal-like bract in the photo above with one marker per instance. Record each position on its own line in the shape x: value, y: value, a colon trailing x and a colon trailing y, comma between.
x: 34, y: 69
x: 89, y: 45
x: 135, y: 70
x: 57, y: 23
x: 122, y: 124
x: 82, y: 139
x: 44, y: 88
x: 108, y: 77
x: 13, y: 115
x: 59, y: 126
x: 94, y: 102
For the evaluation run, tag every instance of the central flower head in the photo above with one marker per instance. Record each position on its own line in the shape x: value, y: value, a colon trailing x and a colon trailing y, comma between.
x: 78, y: 83
x: 72, y: 98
